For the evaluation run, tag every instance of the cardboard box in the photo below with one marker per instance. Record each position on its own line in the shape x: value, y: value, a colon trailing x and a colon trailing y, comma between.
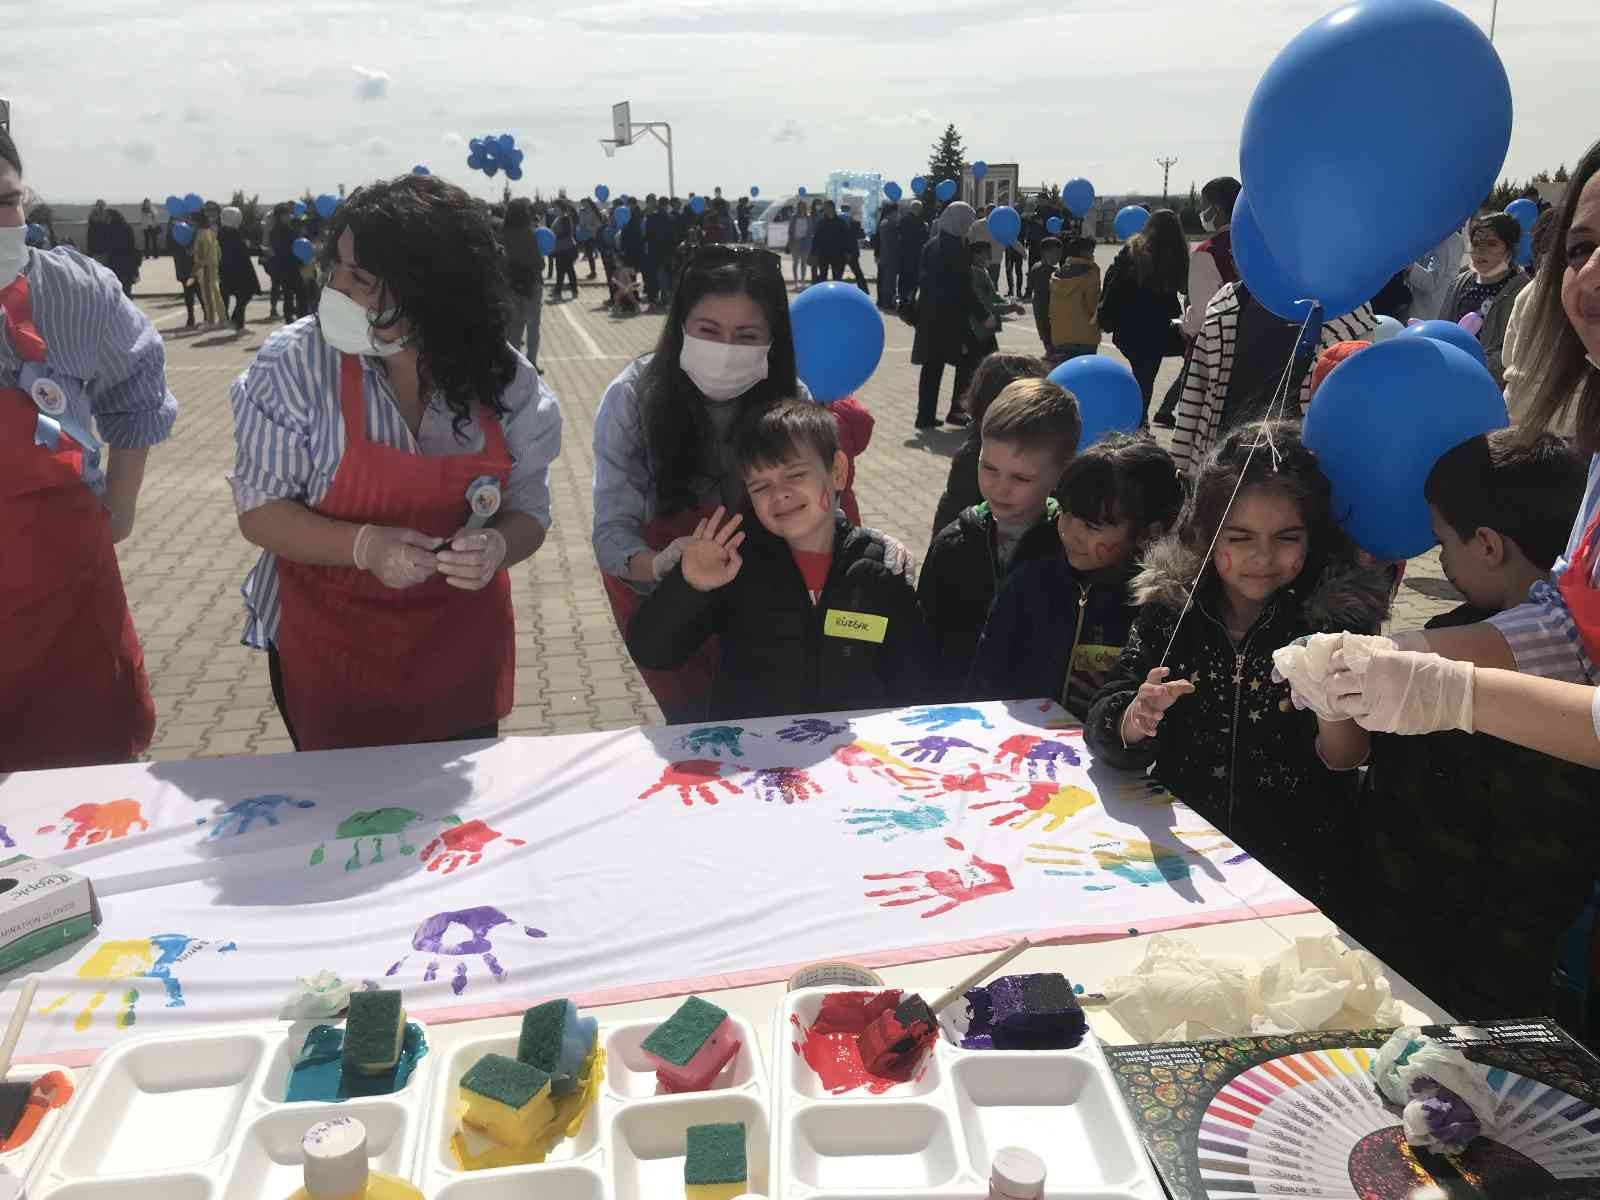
x: 43, y: 907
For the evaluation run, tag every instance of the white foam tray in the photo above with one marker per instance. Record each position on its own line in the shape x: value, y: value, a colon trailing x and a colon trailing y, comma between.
x: 934, y: 1137
x: 20, y: 1161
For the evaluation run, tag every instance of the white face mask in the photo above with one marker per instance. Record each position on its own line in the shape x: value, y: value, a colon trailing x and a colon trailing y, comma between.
x: 722, y: 371
x: 346, y: 326
x: 13, y: 252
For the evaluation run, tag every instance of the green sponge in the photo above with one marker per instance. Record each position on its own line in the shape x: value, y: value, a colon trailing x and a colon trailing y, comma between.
x: 540, y: 1043
x: 680, y: 1036
x: 512, y: 1083
x: 374, y: 1032
x: 716, y: 1155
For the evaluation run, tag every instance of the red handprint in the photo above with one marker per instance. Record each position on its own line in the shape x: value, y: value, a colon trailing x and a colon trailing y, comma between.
x: 1017, y: 747
x: 1038, y: 753
x: 792, y: 785
x: 956, y: 886
x: 1048, y: 802
x: 692, y: 777
x: 461, y: 846
x: 882, y: 761
x: 975, y: 780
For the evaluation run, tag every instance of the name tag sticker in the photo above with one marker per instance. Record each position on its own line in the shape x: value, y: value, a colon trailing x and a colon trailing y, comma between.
x: 861, y: 627
x: 1096, y: 659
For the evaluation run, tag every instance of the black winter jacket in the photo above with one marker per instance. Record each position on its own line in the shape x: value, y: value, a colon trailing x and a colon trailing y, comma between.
x: 958, y: 584
x: 961, y: 486
x: 1236, y: 751
x: 831, y: 239
x: 777, y: 658
x: 1138, y: 316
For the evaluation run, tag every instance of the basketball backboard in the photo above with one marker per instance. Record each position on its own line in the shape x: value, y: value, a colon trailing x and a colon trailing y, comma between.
x: 622, y: 124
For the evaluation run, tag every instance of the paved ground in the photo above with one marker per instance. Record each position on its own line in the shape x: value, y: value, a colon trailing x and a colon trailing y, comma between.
x: 186, y: 559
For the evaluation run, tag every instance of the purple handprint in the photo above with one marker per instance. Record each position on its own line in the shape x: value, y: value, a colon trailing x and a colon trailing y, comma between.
x: 477, y: 922
x: 811, y: 731
x: 1036, y: 752
x: 792, y: 785
x: 933, y: 748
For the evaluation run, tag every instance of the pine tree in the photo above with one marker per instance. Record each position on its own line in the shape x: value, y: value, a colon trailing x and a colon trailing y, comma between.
x: 1561, y: 174
x: 947, y: 159
x: 1190, y: 213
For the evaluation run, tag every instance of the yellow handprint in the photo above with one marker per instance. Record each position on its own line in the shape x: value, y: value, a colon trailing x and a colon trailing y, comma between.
x: 1132, y: 860
x: 135, y: 958
x: 1046, y: 802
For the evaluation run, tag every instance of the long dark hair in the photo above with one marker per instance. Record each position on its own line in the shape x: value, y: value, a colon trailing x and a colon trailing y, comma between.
x: 1563, y: 377
x: 1160, y: 253
x: 671, y: 405
x: 439, y: 268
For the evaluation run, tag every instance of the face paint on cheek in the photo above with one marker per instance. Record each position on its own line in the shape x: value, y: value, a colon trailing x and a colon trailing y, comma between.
x: 1224, y: 563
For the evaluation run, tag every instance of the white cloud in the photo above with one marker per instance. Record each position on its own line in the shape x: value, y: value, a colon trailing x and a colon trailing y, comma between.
x: 378, y: 147
x: 454, y: 140
x: 371, y: 85
x: 139, y: 153
x: 788, y: 130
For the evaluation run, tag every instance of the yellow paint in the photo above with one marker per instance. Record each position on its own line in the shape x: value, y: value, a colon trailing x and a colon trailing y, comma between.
x: 513, y: 1127
x: 887, y: 756
x: 714, y: 1191
x: 474, y: 1151
x: 860, y: 627
x: 1063, y: 804
x: 112, y: 961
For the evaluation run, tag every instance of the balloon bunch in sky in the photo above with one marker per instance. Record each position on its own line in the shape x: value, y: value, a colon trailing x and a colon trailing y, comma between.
x: 491, y: 154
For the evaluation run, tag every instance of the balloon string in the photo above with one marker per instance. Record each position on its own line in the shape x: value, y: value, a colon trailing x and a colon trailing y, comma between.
x: 1273, y: 414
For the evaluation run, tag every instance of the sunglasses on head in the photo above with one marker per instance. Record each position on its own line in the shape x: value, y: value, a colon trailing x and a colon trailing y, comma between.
x: 712, y: 254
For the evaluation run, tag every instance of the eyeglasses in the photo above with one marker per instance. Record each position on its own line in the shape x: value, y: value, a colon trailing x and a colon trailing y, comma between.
x: 711, y: 254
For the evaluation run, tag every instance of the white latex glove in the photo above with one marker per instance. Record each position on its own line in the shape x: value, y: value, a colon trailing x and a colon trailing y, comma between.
x: 661, y: 565
x: 1306, y: 664
x: 1401, y: 691
x: 472, y: 557
x: 899, y: 560
x: 400, y: 558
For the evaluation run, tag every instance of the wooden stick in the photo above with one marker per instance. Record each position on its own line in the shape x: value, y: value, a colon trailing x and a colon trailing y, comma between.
x: 982, y: 973
x: 19, y: 1016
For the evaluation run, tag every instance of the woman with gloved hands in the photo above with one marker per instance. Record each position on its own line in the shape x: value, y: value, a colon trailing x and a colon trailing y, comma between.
x: 392, y: 461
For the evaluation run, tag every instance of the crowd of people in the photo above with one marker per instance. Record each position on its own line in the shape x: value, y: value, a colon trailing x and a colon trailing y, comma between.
x: 392, y: 465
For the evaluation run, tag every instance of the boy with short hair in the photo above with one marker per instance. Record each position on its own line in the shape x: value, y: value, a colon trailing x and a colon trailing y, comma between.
x: 1075, y: 300
x: 1039, y: 290
x: 814, y: 614
x: 1030, y: 433
x: 1477, y: 855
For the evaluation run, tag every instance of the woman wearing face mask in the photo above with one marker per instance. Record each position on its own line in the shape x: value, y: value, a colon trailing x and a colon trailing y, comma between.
x: 664, y: 434
x: 1489, y: 286
x: 79, y: 365
x: 392, y: 462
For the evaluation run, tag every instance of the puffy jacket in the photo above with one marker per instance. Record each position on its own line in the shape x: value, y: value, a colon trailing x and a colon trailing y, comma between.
x: 1496, y: 315
x: 777, y: 656
x: 961, y: 485
x: 1074, y: 297
x: 958, y: 584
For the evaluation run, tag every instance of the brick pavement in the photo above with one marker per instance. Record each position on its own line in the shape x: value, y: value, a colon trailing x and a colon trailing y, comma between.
x: 185, y: 561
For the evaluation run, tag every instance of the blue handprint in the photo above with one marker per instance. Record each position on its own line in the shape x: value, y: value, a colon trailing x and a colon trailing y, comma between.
x: 933, y: 749
x: 716, y: 739
x: 943, y: 716
x: 812, y: 730
x: 238, y: 818
x: 891, y: 823
x: 792, y: 785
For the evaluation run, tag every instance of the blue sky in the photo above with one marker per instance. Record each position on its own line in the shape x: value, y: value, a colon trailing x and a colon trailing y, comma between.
x: 124, y: 101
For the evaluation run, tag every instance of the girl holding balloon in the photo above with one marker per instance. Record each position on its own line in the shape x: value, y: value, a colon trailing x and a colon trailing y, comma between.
x: 1489, y: 287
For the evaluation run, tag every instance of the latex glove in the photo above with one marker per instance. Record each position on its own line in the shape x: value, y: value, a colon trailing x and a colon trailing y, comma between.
x: 400, y: 558
x: 472, y: 558
x: 1401, y: 691
x: 667, y: 558
x: 899, y: 560
x: 1305, y: 663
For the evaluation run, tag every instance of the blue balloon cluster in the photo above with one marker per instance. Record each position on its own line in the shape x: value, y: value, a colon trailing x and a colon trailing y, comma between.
x: 546, y: 238
x: 303, y: 249
x: 892, y: 190
x: 493, y: 153
x: 1130, y: 220
x: 1078, y: 196
x: 182, y: 206
x: 1109, y: 399
x: 838, y: 339
x: 182, y: 233
x: 1005, y: 225
x: 918, y: 185
x: 36, y: 235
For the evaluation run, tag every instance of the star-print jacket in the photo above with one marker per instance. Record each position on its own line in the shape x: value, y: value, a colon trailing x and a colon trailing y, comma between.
x: 1236, y: 751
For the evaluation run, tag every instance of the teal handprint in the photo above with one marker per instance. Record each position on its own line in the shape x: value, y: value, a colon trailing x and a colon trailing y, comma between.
x: 377, y: 824
x: 715, y: 739
x: 242, y: 815
x: 891, y: 823
x: 943, y: 716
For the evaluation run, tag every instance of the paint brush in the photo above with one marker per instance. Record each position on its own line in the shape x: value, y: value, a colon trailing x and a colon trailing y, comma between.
x: 14, y: 1096
x: 982, y: 973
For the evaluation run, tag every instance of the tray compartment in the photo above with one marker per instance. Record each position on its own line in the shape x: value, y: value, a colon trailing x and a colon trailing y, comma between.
x: 648, y: 1141
x: 872, y: 1145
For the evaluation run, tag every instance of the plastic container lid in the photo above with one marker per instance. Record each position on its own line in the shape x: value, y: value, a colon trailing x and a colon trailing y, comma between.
x: 336, y: 1158
x: 1017, y: 1174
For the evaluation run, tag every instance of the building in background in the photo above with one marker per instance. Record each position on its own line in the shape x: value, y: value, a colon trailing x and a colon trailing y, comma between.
x: 1002, y: 185
x: 861, y: 190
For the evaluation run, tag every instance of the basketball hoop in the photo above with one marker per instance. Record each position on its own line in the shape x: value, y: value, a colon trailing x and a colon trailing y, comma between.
x: 609, y: 145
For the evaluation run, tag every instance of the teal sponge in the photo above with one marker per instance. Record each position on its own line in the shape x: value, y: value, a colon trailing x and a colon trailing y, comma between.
x: 512, y: 1083
x: 716, y: 1155
x: 542, y: 1027
x: 374, y: 1032
x: 679, y: 1038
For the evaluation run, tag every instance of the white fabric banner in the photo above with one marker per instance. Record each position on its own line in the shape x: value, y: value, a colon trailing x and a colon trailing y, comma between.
x: 603, y: 866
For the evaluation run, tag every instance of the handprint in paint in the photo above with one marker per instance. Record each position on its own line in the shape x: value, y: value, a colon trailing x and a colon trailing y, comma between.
x: 944, y: 716
x: 1132, y: 860
x: 879, y: 760
x: 714, y: 739
x: 375, y: 825
x: 891, y: 823
x: 944, y: 887
x: 1036, y: 753
x: 92, y: 824
x: 933, y: 748
x: 692, y: 777
x: 131, y: 960
x: 792, y: 785
x: 477, y: 923
x: 243, y: 815
x: 5, y: 839
x: 1042, y: 802
x: 811, y: 731
x: 975, y: 780
x: 461, y: 846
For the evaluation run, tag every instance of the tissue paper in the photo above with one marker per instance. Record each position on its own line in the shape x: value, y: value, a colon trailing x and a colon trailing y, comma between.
x: 323, y: 995
x: 1446, y: 1096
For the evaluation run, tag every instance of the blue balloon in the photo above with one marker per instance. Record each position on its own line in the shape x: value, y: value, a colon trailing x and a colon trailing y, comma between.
x: 475, y: 162
x: 1343, y: 214
x: 182, y: 232
x: 980, y: 169
x: 698, y: 204
x: 1005, y: 225
x: 838, y: 339
x: 946, y: 191
x: 513, y: 172
x: 1525, y: 211
x: 892, y: 190
x: 419, y: 169
x: 1524, y: 251
x: 1447, y: 331
x: 174, y: 206
x: 1078, y: 196
x: 1426, y: 397
x: 754, y: 192
x: 507, y: 143
x: 624, y: 215
x: 326, y: 205
x: 303, y: 249
x: 36, y: 235
x: 546, y: 238
x: 193, y: 202
x: 802, y: 191
x: 1052, y: 226
x: 475, y: 145
x: 602, y: 193
x: 918, y: 185
x: 1130, y: 220
x: 299, y: 209
x: 1109, y: 399
x: 1268, y: 282
x: 491, y: 169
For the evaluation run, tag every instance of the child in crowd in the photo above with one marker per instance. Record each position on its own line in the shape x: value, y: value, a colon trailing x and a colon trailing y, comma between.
x: 814, y: 613
x: 988, y: 381
x: 1074, y: 301
x: 1039, y: 290
x: 1030, y: 433
x: 1477, y: 854
x: 983, y: 341
x: 1059, y: 624
x: 1265, y: 569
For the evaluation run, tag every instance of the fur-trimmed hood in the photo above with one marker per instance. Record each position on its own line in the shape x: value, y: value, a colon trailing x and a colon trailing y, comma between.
x: 1346, y: 596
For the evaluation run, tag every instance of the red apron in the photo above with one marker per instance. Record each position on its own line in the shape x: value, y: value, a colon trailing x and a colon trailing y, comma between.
x: 1582, y: 600
x: 367, y: 665
x: 73, y: 690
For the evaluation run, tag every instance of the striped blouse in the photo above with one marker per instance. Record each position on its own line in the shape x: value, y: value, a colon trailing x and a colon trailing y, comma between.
x: 289, y: 438
x: 105, y: 354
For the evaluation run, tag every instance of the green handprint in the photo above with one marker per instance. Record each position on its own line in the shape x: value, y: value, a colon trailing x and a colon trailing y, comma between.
x: 892, y: 823
x: 714, y: 739
x: 377, y: 824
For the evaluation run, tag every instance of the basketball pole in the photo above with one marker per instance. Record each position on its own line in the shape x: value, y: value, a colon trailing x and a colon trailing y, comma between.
x: 655, y: 128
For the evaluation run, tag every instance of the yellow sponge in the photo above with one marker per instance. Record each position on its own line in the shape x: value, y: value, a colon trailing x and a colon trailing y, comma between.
x: 507, y: 1100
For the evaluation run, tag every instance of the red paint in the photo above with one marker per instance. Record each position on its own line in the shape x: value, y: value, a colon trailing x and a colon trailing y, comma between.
x: 49, y: 1092
x: 692, y: 777
x: 953, y: 844
x: 832, y: 1045
x: 975, y: 780
x: 461, y: 846
x: 1224, y: 563
x: 1017, y: 747
x: 971, y: 880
